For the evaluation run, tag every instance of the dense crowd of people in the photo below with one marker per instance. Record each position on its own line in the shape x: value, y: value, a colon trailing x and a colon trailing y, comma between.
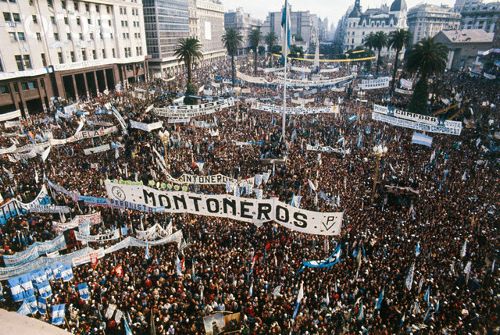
x: 235, y: 267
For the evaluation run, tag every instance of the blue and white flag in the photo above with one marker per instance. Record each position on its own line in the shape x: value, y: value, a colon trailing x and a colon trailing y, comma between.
x: 58, y: 314
x: 128, y: 331
x: 378, y: 305
x: 56, y: 270
x: 178, y: 267
x: 83, y: 291
x: 409, y: 277
x: 300, y: 296
x: 146, y: 254
x: 66, y: 273
x: 21, y: 288
x: 333, y: 259
x: 250, y: 290
x: 42, y: 305
x: 296, y: 201
x: 417, y: 249
x: 361, y: 314
x: 258, y: 180
x: 427, y: 295
x: 422, y: 139
x: 25, y: 309
x: 286, y: 33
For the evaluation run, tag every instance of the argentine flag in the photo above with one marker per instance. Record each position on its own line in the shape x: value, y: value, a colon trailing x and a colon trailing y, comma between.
x: 422, y: 139
x: 300, y: 296
x: 42, y: 306
x: 58, y: 314
x: 66, y: 273
x: 286, y: 34
x: 83, y: 291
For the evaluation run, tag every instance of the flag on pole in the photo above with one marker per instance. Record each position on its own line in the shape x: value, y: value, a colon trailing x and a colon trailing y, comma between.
x: 417, y: 249
x: 83, y: 291
x: 128, y: 331
x: 250, y: 291
x: 327, y: 299
x: 378, y: 305
x: 422, y: 139
x: 58, y: 314
x: 409, y: 277
x: 42, y: 306
x: 146, y: 255
x: 427, y: 295
x: 286, y: 34
x: 300, y: 296
x: 464, y: 249
x: 45, y: 153
x: 178, y: 267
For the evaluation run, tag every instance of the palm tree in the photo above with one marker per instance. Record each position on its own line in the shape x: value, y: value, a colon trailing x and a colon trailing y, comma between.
x: 270, y: 40
x: 370, y: 41
x: 188, y: 50
x: 427, y: 58
x: 379, y: 42
x: 398, y: 39
x: 232, y: 39
x: 254, y: 39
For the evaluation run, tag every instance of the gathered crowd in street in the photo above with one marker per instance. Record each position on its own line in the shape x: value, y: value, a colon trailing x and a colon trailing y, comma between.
x: 417, y: 247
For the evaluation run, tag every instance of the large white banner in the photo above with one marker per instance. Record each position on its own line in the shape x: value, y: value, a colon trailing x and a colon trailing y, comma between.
x: 91, y: 219
x: 292, y: 110
x: 95, y: 150
x: 400, y: 118
x: 216, y: 179
x: 9, y: 116
x: 372, y: 84
x: 34, y: 251
x: 188, y: 111
x: 326, y: 149
x: 146, y: 126
x: 293, y: 82
x: 114, y: 235
x: 255, y: 211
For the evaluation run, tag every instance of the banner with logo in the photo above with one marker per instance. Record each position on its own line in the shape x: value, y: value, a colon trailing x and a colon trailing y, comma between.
x: 255, y: 211
x: 372, y: 84
x: 399, y: 118
x: 146, y: 126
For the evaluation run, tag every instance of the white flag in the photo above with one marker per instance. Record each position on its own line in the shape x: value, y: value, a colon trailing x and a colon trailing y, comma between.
x: 464, y: 249
x: 409, y: 277
x: 45, y: 154
x: 311, y: 185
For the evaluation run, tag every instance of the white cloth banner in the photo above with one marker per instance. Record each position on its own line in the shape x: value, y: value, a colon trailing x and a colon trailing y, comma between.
x: 292, y: 110
x: 294, y: 82
x: 154, y: 232
x: 49, y: 209
x: 92, y: 219
x: 146, y: 126
x: 95, y: 150
x: 114, y: 235
x: 414, y: 121
x: 326, y: 149
x: 11, y: 115
x: 188, y: 111
x: 34, y: 251
x: 406, y: 84
x: 9, y: 150
x: 255, y: 211
x: 372, y: 84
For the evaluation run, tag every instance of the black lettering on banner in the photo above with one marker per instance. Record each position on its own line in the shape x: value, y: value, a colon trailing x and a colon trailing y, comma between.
x: 196, y: 205
x: 330, y: 222
x: 209, y: 205
x: 300, y: 220
x: 244, y: 209
x: 285, y: 212
x: 149, y: 197
x: 263, y: 211
x: 229, y: 203
x: 180, y: 199
x: 219, y: 178
x: 164, y: 201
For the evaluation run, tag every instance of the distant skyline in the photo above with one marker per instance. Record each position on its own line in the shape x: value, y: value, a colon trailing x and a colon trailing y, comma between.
x: 332, y: 9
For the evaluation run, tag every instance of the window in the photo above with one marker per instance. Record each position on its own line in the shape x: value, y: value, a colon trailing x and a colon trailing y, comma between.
x: 113, y: 52
x: 21, y: 36
x: 63, y: 4
x: 27, y: 61
x: 97, y: 8
x: 56, y: 36
x: 72, y: 53
x: 78, y: 21
x: 68, y: 36
x: 87, y: 7
x: 89, y: 21
x: 66, y: 21
x: 111, y: 35
x: 60, y: 56
x: 38, y: 36
x: 50, y: 3
x: 81, y: 36
x: 19, y: 62
x: 7, y: 17
x: 108, y: 9
x: 35, y: 20
x: 53, y: 20
x: 44, y: 60
x: 103, y: 53
x: 91, y: 35
x: 94, y: 54
x: 84, y: 55
x: 13, y: 36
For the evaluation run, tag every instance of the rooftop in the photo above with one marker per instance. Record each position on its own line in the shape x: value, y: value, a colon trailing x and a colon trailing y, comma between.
x: 468, y: 36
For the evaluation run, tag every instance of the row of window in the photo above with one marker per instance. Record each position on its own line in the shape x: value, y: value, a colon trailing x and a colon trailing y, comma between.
x: 373, y: 24
x: 25, y: 86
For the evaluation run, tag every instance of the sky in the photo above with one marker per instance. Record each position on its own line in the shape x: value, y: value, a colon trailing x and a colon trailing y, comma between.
x: 332, y: 9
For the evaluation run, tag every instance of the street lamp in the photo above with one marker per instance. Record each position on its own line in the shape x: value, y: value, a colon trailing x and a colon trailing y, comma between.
x: 379, y: 151
x: 164, y: 137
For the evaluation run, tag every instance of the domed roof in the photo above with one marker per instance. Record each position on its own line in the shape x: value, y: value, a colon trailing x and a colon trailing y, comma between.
x: 398, y: 5
x: 355, y: 12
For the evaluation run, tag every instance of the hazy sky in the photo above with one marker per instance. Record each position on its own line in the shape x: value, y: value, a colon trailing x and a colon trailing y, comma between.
x: 333, y: 9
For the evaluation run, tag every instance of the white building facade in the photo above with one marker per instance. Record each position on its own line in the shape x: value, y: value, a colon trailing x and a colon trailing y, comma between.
x: 68, y: 49
x: 427, y: 20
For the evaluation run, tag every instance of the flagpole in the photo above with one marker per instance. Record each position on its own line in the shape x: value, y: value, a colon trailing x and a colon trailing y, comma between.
x: 284, y: 83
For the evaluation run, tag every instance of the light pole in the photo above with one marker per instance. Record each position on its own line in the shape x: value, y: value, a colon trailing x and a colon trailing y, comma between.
x: 164, y: 137
x: 379, y: 151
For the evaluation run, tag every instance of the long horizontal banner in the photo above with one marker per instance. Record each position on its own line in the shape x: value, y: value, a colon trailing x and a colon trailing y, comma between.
x: 372, y: 84
x: 9, y: 116
x: 34, y: 251
x: 326, y: 149
x: 255, y: 211
x: 49, y: 209
x: 98, y: 149
x: 294, y: 82
x: 91, y: 219
x: 292, y: 110
x: 114, y: 235
x: 146, y: 126
x: 414, y: 121
x: 188, y: 111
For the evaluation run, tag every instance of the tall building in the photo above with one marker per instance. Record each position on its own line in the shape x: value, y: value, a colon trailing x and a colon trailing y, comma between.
x: 243, y: 23
x: 479, y: 15
x: 166, y: 21
x: 386, y: 19
x: 68, y: 49
x: 303, y: 26
x: 209, y: 27
x: 427, y: 20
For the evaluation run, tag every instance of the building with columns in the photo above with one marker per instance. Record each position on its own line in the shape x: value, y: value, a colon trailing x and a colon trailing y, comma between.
x: 427, y: 20
x: 360, y: 24
x: 68, y: 49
